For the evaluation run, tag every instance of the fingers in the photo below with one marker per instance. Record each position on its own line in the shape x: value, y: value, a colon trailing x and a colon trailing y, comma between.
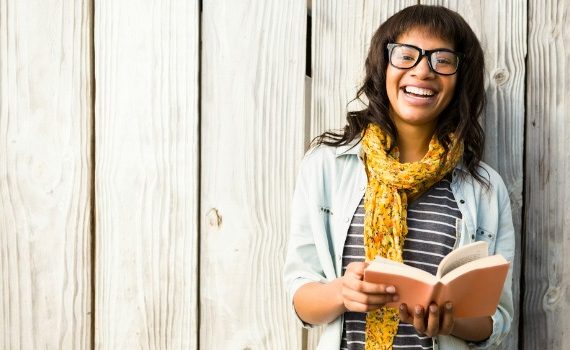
x: 356, y: 269
x: 405, y: 315
x: 432, y: 328
x: 362, y: 296
x: 375, y: 300
x: 430, y: 322
x: 369, y: 288
x: 418, y: 321
x: 448, y: 320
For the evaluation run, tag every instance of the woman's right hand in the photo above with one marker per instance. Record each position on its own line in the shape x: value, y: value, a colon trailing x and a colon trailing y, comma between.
x: 361, y: 296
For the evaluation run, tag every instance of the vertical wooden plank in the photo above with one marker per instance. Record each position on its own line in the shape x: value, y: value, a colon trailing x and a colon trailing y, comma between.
x: 146, y: 56
x: 501, y: 29
x: 547, y: 218
x: 252, y: 142
x: 45, y: 174
x: 342, y: 31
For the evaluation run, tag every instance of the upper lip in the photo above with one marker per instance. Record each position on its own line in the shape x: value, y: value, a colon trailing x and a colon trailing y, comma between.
x: 423, y: 86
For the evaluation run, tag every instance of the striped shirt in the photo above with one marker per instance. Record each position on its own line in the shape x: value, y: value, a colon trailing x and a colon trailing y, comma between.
x: 432, y: 221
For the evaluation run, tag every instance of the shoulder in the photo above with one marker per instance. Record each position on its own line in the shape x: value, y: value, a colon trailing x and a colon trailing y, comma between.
x: 317, y: 159
x: 496, y: 186
x: 320, y: 153
x: 491, y: 175
x: 328, y: 157
x: 328, y: 168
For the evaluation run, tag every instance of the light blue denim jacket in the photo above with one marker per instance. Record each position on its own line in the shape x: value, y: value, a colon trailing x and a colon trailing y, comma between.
x: 331, y: 183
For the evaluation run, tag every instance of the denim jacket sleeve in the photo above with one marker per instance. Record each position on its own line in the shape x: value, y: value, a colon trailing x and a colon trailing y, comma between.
x: 308, y: 255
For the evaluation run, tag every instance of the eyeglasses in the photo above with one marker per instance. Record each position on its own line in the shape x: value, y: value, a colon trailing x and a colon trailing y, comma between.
x: 441, y: 61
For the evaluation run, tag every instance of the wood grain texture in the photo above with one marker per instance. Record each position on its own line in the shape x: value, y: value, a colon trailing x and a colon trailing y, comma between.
x: 146, y: 56
x: 342, y: 31
x: 547, y: 218
x: 501, y: 29
x: 45, y: 174
x: 253, y: 75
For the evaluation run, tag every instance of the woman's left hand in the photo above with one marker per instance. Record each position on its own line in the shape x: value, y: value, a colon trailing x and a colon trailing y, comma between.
x: 432, y: 322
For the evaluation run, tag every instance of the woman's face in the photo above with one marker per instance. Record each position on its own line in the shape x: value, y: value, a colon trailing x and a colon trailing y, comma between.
x: 418, y: 95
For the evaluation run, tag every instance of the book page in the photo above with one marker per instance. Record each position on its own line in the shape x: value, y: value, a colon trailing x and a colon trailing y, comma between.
x: 462, y: 256
x: 383, y: 260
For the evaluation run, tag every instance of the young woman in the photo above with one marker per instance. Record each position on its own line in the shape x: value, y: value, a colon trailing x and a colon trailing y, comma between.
x: 404, y: 180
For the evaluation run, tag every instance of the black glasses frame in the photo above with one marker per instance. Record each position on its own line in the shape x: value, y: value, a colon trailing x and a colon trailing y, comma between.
x: 427, y: 53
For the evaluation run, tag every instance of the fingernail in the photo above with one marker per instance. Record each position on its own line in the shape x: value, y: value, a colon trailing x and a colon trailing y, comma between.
x: 432, y: 308
x: 402, y: 307
x: 448, y: 306
x: 391, y: 289
x: 418, y: 310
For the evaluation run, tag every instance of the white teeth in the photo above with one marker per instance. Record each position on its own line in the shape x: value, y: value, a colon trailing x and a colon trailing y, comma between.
x: 419, y: 91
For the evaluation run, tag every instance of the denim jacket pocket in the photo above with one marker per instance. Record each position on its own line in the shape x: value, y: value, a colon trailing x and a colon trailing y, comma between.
x: 487, y: 236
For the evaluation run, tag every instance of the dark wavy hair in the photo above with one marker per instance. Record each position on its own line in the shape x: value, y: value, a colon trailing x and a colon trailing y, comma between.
x: 459, y: 117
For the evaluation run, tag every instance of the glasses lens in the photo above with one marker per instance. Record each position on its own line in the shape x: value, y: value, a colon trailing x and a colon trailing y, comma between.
x: 444, y: 62
x: 404, y: 56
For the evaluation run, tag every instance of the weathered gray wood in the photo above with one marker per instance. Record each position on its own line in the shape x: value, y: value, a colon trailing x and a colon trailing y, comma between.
x: 253, y: 68
x: 501, y: 29
x: 341, y: 37
x: 45, y: 174
x: 146, y: 56
x: 547, y: 190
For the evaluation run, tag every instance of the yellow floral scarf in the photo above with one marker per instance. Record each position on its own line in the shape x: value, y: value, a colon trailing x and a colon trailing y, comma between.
x: 390, y: 183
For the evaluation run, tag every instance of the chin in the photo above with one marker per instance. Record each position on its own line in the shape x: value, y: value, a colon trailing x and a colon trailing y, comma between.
x: 418, y: 119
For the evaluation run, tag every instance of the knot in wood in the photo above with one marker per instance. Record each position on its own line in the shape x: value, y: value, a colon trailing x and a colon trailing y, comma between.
x: 500, y: 76
x: 214, y: 218
x: 551, y: 298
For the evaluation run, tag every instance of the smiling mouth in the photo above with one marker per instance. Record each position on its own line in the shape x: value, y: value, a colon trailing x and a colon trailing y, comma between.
x: 418, y: 92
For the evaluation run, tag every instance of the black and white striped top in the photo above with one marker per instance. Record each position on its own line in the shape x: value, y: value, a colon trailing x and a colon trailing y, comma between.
x: 432, y: 221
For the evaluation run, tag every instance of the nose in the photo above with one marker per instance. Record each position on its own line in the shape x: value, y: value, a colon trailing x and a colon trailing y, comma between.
x: 422, y: 69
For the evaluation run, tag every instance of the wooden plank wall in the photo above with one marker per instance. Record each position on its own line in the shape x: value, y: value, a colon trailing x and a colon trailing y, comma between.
x: 145, y: 182
x: 253, y: 64
x: 546, y: 266
x: 45, y: 174
x: 146, y: 176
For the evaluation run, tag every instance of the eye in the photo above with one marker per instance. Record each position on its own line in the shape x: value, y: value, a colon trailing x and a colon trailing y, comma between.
x: 405, y: 54
x: 444, y: 59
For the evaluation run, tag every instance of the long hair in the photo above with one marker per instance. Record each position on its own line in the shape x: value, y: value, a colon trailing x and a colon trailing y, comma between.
x: 459, y: 117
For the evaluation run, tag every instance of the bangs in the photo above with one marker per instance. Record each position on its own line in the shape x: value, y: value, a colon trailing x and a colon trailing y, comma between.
x: 436, y: 20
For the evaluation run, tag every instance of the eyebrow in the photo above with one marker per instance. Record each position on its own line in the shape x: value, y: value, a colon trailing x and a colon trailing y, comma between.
x: 436, y: 49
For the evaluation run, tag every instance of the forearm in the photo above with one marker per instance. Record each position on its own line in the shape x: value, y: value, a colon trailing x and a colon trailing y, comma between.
x: 319, y: 303
x: 473, y: 329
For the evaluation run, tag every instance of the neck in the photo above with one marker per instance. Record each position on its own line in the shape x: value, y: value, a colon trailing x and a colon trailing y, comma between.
x: 413, y: 142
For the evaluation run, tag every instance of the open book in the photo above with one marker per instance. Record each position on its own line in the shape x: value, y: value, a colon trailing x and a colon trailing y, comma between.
x: 467, y: 277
